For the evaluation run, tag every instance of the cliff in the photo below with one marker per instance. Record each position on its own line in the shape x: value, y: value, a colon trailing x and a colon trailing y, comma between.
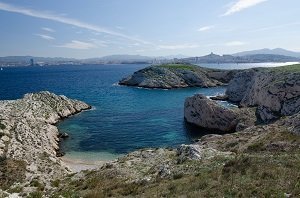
x: 275, y: 91
x: 29, y: 137
x: 178, y: 76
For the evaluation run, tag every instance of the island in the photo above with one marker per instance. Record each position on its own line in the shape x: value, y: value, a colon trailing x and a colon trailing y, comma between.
x: 168, y: 76
x: 257, y: 156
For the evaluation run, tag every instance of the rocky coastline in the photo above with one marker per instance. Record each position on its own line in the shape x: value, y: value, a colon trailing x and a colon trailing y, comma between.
x: 29, y: 147
x: 258, y: 156
x: 172, y: 76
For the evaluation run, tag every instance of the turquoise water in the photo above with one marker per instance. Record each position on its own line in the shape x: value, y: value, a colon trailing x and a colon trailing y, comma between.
x: 123, y: 118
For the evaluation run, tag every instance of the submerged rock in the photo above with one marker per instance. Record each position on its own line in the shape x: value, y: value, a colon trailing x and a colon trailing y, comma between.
x: 203, y: 112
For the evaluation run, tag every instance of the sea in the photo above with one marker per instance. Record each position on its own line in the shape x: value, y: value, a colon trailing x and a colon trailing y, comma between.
x: 122, y: 119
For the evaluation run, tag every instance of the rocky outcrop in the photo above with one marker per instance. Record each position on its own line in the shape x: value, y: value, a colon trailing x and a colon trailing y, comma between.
x: 275, y: 93
x: 28, y: 134
x: 177, y: 76
x: 197, y: 152
x: 244, y: 158
x: 206, y: 113
x: 201, y: 111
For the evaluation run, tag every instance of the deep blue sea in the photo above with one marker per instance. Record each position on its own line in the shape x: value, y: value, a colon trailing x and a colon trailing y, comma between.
x: 123, y: 118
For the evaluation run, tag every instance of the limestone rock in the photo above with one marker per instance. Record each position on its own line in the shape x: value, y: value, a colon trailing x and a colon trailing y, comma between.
x: 275, y: 93
x: 201, y: 111
x: 177, y: 76
x: 239, y: 85
x: 31, y: 135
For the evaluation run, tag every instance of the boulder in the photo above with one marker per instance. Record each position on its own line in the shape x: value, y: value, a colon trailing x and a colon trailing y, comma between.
x: 203, y: 112
x: 197, y: 152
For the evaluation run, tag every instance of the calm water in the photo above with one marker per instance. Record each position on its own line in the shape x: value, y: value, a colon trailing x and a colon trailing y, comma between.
x: 122, y: 119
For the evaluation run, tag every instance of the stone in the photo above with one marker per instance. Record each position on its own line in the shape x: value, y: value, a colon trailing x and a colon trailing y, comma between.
x: 219, y: 97
x: 265, y: 114
x: 63, y: 135
x: 197, y: 152
x: 205, y: 113
x: 5, y: 138
x: 2, y: 145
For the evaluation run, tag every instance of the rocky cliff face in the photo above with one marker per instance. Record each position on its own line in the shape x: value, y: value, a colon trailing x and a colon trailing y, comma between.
x: 206, y: 113
x: 201, y: 111
x: 28, y: 134
x: 177, y: 76
x: 275, y: 93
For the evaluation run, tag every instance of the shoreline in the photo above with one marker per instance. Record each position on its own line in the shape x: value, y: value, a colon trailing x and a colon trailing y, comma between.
x: 78, y: 161
x: 77, y: 165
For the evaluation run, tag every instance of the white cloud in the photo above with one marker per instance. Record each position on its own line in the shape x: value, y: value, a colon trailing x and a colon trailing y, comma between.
x: 241, y: 5
x: 99, y: 42
x: 65, y: 20
x: 205, y: 28
x: 47, y: 37
x: 235, y: 43
x: 175, y: 47
x: 48, y: 29
x: 78, y: 45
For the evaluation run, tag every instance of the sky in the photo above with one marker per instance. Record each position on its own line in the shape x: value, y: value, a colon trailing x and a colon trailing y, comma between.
x: 96, y: 28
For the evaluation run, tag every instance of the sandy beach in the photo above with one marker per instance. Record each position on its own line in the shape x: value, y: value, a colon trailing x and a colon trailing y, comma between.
x: 77, y: 165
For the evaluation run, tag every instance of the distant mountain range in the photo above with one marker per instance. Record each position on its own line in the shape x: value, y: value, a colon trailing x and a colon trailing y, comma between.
x: 255, y: 56
x: 276, y: 51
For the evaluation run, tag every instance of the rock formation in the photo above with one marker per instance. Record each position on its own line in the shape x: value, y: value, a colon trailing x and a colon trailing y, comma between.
x: 275, y: 93
x: 177, y: 76
x: 201, y: 111
x: 28, y: 134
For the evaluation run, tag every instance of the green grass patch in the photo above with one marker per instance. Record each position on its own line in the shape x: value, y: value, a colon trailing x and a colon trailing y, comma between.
x: 179, y: 66
x: 288, y: 68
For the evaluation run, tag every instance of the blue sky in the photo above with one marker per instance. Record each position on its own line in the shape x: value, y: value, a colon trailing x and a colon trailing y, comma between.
x: 94, y: 28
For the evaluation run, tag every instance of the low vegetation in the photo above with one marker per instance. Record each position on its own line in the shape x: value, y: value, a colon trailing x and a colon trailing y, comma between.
x: 256, y: 170
x: 11, y: 171
x: 179, y: 66
x: 288, y: 68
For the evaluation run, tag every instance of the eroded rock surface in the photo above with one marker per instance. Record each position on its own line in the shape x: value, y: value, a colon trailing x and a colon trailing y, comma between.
x: 275, y: 93
x: 28, y: 134
x: 178, y: 76
x: 203, y: 112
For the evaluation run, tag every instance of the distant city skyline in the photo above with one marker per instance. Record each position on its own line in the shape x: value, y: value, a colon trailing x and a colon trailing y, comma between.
x: 79, y: 29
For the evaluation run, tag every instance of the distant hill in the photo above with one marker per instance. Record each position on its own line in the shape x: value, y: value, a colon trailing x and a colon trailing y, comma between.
x: 255, y: 58
x: 119, y: 59
x: 39, y: 59
x: 277, y: 51
x: 243, y: 57
x: 25, y: 60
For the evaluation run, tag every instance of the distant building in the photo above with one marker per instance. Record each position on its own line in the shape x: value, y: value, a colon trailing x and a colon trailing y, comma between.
x: 31, y: 62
